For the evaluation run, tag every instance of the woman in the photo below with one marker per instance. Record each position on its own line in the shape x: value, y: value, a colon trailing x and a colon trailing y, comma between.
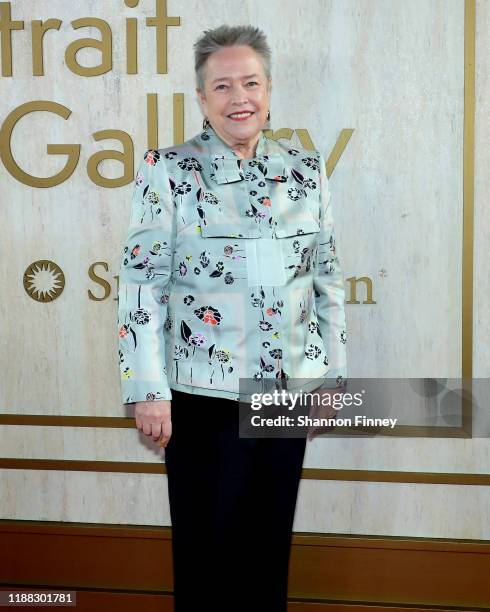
x: 229, y: 274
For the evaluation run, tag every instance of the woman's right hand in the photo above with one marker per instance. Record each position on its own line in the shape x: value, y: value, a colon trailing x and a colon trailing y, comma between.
x: 153, y: 418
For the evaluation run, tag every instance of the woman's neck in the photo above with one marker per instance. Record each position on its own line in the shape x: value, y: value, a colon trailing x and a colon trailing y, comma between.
x: 244, y: 149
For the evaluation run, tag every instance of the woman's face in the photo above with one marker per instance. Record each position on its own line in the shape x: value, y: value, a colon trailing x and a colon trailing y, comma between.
x: 235, y: 81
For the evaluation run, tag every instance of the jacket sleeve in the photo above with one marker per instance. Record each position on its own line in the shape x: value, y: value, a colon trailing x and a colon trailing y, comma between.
x: 145, y: 272
x: 329, y: 289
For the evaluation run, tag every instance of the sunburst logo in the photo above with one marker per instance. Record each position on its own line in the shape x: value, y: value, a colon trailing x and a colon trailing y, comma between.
x: 44, y: 280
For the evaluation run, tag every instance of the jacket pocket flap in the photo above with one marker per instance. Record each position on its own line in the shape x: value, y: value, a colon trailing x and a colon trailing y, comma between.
x: 215, y: 227
x: 300, y: 223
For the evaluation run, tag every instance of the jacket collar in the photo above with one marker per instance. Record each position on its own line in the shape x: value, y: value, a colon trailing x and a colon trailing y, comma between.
x: 227, y: 164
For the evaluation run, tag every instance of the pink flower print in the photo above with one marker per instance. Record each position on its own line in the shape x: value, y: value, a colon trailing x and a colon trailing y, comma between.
x: 197, y: 339
x: 123, y: 332
x: 208, y: 314
x: 209, y: 318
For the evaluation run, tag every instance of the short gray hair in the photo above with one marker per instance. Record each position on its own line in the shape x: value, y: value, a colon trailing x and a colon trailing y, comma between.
x: 229, y: 36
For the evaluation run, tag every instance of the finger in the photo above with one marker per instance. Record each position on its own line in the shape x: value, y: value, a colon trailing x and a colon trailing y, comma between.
x: 166, y: 434
x: 156, y: 431
x: 147, y: 428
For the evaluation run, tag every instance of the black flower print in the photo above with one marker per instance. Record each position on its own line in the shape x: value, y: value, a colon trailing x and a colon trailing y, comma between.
x: 265, y: 325
x: 168, y: 323
x: 170, y: 154
x: 151, y: 395
x: 229, y: 278
x: 210, y: 198
x: 312, y: 351
x: 253, y: 212
x: 343, y: 336
x: 311, y: 162
x: 204, y: 259
x: 141, y: 316
x: 188, y: 299
x: 293, y: 151
x: 218, y: 271
x: 312, y: 327
x: 223, y: 356
x: 295, y: 194
x: 183, y: 188
x: 180, y: 352
x: 189, y: 163
x: 257, y: 302
x: 309, y: 183
x: 276, y: 354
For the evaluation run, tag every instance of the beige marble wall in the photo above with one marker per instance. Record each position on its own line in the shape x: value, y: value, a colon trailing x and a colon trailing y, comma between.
x: 391, y: 71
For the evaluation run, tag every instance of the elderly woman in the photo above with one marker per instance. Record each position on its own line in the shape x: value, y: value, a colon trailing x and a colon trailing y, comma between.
x: 229, y: 273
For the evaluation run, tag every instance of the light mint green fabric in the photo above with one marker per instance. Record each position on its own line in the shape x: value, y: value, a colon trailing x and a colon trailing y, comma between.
x: 229, y: 271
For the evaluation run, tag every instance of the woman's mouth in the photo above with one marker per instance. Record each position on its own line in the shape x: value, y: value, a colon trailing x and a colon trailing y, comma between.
x: 243, y: 116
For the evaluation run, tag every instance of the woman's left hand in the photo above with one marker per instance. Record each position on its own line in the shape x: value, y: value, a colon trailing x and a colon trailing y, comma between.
x: 322, y: 409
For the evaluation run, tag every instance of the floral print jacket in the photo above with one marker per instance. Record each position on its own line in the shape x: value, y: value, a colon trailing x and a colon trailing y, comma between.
x: 229, y: 272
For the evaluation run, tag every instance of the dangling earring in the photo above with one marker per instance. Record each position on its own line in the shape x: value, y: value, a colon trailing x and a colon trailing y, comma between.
x: 205, y: 124
x: 268, y: 118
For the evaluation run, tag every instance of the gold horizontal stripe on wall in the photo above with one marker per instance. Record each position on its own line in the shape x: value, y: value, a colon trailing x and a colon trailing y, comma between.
x: 142, y: 467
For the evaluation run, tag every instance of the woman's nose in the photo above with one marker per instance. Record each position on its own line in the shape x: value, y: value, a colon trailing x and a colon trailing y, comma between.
x: 239, y: 95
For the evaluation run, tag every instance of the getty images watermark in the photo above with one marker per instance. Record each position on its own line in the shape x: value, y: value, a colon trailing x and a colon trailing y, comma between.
x: 291, y: 413
x: 403, y: 407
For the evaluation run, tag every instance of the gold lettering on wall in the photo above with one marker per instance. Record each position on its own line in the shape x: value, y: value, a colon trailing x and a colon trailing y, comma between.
x: 38, y: 30
x: 353, y: 280
x: 161, y: 21
x: 126, y: 157
x: 6, y: 27
x: 44, y: 280
x: 104, y: 46
x: 72, y: 150
x: 98, y: 280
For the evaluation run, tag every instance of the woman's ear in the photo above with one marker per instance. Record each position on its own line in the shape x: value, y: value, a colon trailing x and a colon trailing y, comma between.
x: 201, y: 99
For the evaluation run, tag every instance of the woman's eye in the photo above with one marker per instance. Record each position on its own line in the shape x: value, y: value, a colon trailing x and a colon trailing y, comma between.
x: 222, y: 85
x: 252, y: 83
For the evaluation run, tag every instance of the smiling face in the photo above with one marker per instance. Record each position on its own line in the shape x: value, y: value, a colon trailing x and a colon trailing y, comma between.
x: 235, y: 82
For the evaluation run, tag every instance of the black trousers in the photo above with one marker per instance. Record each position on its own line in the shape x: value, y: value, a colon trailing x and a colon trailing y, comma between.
x: 232, y: 504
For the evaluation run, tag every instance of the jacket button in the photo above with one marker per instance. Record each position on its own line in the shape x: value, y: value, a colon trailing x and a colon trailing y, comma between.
x: 228, y: 250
